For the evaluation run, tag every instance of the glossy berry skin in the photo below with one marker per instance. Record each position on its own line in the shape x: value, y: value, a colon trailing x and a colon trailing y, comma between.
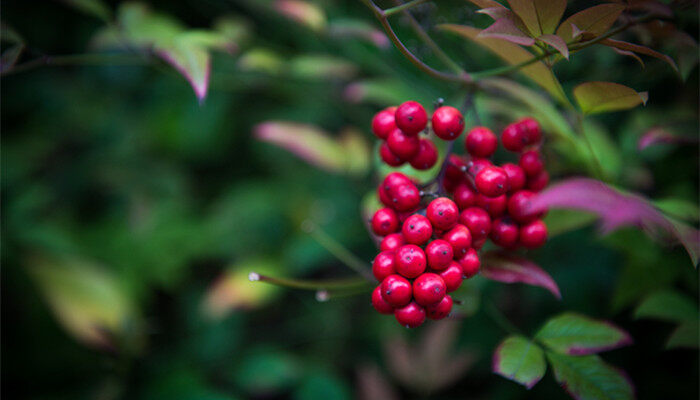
x: 439, y: 254
x: 410, y: 316
x: 513, y: 138
x: 481, y: 142
x: 516, y: 177
x: 411, y: 118
x: 491, y: 181
x: 452, y: 276
x: 455, y: 166
x: 477, y: 244
x: 429, y: 288
x: 426, y: 157
x: 383, y: 124
x: 504, y: 232
x: 533, y: 132
x: 440, y: 310
x: 383, y: 196
x: 470, y: 263
x: 459, y: 238
x: 477, y: 220
x: 495, y: 206
x: 396, y: 290
x: 538, y: 182
x: 392, y: 242
x: 405, y: 197
x: 384, y: 265
x: 379, y: 303
x: 417, y: 229
x: 448, y: 123
x: 385, y: 221
x: 477, y: 165
x: 464, y: 196
x: 395, y: 179
x: 531, y: 162
x: 410, y: 261
x: 518, y: 205
x: 403, y: 145
x: 442, y: 213
x: 388, y: 156
x: 534, y: 234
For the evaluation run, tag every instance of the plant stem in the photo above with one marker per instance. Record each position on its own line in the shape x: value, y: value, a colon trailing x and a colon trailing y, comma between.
x: 337, y: 249
x: 402, y: 7
x: 308, y: 285
x: 77, y: 59
x: 596, y: 162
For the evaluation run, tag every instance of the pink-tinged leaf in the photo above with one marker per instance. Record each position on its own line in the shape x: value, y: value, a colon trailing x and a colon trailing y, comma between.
x: 487, y: 4
x: 578, y: 335
x: 599, y: 97
x: 540, y: 16
x: 616, y: 209
x: 556, y: 42
x: 641, y: 50
x: 190, y: 60
x: 589, y: 377
x: 508, y: 268
x: 303, y: 12
x: 496, y: 12
x: 360, y: 30
x: 505, y: 29
x: 575, y: 31
x: 595, y: 20
x: 629, y: 54
x: 658, y: 135
x: 520, y: 360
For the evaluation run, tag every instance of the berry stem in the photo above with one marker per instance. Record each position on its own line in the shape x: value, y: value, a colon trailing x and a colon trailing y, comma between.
x: 338, y: 284
x: 337, y: 249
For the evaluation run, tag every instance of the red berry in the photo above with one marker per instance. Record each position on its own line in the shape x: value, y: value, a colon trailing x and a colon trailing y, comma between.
x: 452, y: 275
x: 427, y: 155
x: 470, y: 263
x: 405, y: 197
x: 477, y: 220
x: 504, y: 232
x: 392, y: 242
x: 410, y: 316
x: 495, y: 206
x: 395, y: 179
x: 383, y: 124
x: 410, y: 260
x: 385, y: 221
x: 516, y: 177
x: 533, y: 133
x: 534, y: 234
x: 481, y: 142
x: 518, y: 205
x: 491, y: 181
x: 379, y: 303
x: 538, y: 182
x: 455, y: 168
x: 439, y: 254
x: 384, y: 265
x: 477, y: 165
x: 388, y: 156
x: 428, y: 289
x: 440, y: 310
x: 459, y: 238
x: 396, y: 290
x: 443, y: 213
x: 384, y: 196
x: 411, y: 118
x: 403, y: 145
x: 464, y: 196
x: 513, y: 138
x: 531, y: 162
x: 448, y: 123
x: 477, y: 244
x: 417, y: 229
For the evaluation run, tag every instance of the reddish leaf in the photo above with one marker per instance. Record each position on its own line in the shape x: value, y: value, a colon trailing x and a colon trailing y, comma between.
x: 487, y: 4
x: 505, y: 29
x: 556, y: 42
x: 540, y: 16
x: 641, y: 50
x: 660, y: 135
x: 595, y: 20
x: 508, y: 268
x: 629, y: 54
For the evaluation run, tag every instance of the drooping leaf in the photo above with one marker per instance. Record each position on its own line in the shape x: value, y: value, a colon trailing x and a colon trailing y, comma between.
x: 558, y: 43
x: 595, y: 20
x: 599, y: 97
x: 96, y: 8
x: 589, y: 378
x: 685, y: 336
x: 508, y: 268
x: 576, y: 334
x: 504, y: 28
x: 347, y: 28
x: 519, y: 360
x: 629, y: 54
x: 303, y: 12
x: 540, y: 16
x: 679, y: 208
x: 190, y: 59
x: 668, y: 305
x: 625, y: 46
x: 10, y: 56
x: 659, y: 135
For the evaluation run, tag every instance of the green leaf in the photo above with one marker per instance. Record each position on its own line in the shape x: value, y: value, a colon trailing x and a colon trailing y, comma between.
x: 599, y: 97
x: 540, y: 16
x: 625, y: 46
x: 321, y: 385
x: 189, y: 58
x: 260, y: 59
x: 519, y: 360
x: 685, y: 336
x: 303, y: 12
x: 575, y: 334
x: 679, y: 208
x: 267, y: 371
x: 668, y: 305
x: 9, y: 34
x: 321, y: 67
x: 96, y: 8
x: 589, y: 378
x: 606, y: 152
x: 562, y: 221
x: 595, y: 20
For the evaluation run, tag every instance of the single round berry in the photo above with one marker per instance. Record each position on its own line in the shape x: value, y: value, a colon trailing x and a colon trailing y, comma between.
x: 504, y: 232
x: 477, y: 220
x: 477, y: 165
x: 534, y: 234
x: 464, y: 196
x: 470, y: 263
x: 417, y: 229
x: 404, y: 215
x: 379, y: 303
x: 513, y: 138
x: 428, y: 289
x: 516, y: 177
x: 519, y: 204
x: 495, y: 206
x: 383, y: 123
x: 410, y: 316
x: 385, y: 221
x: 403, y: 145
x: 477, y: 244
x: 388, y: 156
x: 383, y: 196
x: 396, y: 290
x: 411, y: 118
x: 427, y: 155
x: 448, y: 123
x: 395, y: 179
x: 533, y: 132
x: 442, y: 213
x: 452, y: 275
x: 439, y: 254
x: 538, y: 182
x: 459, y: 238
x: 440, y: 310
x: 392, y: 242
x: 531, y: 162
x: 455, y: 168
x: 410, y: 260
x: 384, y: 265
x: 491, y: 181
x: 405, y: 197
x: 481, y: 142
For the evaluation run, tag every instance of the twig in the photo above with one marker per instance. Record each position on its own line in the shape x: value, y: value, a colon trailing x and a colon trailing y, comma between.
x: 337, y: 249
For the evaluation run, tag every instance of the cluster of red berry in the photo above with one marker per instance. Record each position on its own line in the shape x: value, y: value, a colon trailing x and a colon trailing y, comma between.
x: 427, y: 251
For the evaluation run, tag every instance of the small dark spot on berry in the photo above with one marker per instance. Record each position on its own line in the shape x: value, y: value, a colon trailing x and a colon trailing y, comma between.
x: 410, y: 118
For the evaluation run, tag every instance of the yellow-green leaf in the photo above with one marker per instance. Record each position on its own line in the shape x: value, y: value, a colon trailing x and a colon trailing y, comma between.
x: 599, y: 97
x: 540, y: 16
x: 595, y: 20
x: 302, y: 12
